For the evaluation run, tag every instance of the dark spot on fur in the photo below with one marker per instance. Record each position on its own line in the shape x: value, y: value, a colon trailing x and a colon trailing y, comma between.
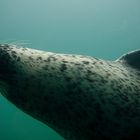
x: 51, y: 58
x: 24, y: 49
x: 64, y: 61
x: 94, y: 62
x: 31, y: 58
x: 18, y: 59
x: 14, y: 56
x: 124, y: 74
x: 103, y: 81
x: 63, y: 67
x: 13, y: 52
x: 39, y: 58
x: 86, y: 62
x: 78, y: 64
x: 101, y: 62
x: 45, y: 60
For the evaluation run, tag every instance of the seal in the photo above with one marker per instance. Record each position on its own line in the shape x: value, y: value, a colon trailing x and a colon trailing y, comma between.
x: 80, y: 97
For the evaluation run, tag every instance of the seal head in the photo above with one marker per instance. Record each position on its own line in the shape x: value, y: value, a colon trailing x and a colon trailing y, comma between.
x: 80, y: 97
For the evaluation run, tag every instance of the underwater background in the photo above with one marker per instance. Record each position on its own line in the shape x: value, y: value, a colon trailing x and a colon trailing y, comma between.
x: 100, y: 28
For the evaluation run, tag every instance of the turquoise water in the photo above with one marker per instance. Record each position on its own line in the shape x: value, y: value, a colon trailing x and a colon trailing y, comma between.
x: 100, y: 28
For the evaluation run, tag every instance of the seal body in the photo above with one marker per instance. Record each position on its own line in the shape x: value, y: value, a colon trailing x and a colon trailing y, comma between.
x: 80, y: 97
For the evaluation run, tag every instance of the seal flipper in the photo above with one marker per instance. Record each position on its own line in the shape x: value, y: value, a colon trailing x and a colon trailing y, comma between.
x: 132, y: 59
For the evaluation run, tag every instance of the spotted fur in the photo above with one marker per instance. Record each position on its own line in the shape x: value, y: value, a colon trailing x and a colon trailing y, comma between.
x: 80, y: 97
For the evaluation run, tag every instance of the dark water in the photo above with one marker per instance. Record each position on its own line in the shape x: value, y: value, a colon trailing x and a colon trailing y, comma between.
x: 100, y: 28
